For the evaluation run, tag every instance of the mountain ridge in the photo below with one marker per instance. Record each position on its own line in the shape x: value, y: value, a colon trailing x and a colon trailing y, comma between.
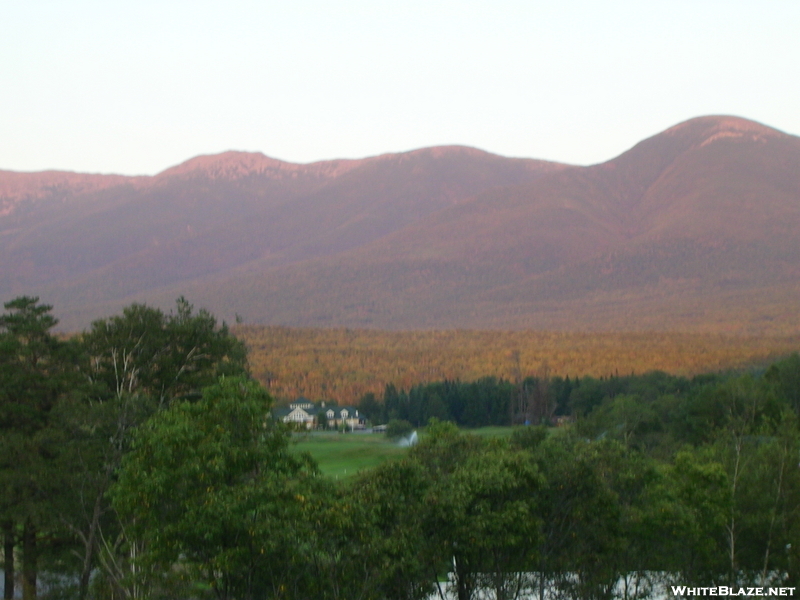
x: 687, y: 223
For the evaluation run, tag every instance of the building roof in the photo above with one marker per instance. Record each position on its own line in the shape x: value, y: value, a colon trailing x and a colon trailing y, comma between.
x: 313, y: 409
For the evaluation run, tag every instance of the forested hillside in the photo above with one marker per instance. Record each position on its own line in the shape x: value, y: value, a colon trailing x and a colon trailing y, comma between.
x: 344, y: 364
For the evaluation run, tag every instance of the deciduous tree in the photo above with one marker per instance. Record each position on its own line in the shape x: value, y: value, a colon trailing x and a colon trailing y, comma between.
x: 213, y: 487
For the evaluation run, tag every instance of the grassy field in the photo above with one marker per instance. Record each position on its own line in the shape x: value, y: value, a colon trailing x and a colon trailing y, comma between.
x: 343, y: 455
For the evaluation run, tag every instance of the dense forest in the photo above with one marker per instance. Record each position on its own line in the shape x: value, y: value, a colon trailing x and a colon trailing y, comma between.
x: 342, y: 365
x: 139, y: 460
x: 656, y: 401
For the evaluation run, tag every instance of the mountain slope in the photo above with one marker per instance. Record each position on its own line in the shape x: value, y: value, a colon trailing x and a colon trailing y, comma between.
x: 214, y: 213
x: 693, y: 228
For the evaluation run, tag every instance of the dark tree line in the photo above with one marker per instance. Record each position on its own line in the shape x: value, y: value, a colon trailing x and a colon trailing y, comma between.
x: 542, y: 400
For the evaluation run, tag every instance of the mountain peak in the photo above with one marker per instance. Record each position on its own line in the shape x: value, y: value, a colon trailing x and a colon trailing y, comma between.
x: 443, y: 151
x: 708, y: 129
x: 231, y: 164
x: 234, y: 164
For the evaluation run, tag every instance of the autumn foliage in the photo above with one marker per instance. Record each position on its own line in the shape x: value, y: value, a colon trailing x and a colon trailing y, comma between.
x: 345, y: 364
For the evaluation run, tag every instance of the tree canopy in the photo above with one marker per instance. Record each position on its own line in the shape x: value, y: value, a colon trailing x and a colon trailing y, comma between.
x: 140, y: 460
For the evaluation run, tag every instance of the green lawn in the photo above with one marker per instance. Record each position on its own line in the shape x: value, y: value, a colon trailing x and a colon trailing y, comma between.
x: 493, y: 431
x: 343, y: 455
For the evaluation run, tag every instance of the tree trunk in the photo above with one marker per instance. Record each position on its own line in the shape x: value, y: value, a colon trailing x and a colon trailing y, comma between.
x: 8, y: 557
x: 30, y: 558
x: 463, y: 584
x: 90, y: 546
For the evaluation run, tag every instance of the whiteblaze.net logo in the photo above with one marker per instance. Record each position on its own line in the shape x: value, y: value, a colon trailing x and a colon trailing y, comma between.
x: 724, y: 590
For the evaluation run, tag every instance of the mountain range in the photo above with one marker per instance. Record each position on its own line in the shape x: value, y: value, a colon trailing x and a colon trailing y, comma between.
x: 693, y: 229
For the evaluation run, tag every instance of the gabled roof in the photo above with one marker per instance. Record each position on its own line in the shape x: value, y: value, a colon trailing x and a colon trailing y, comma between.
x: 312, y: 409
x: 285, y: 411
x: 352, y: 411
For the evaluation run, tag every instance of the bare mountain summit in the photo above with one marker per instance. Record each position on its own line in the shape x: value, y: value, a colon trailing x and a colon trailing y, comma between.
x: 692, y: 229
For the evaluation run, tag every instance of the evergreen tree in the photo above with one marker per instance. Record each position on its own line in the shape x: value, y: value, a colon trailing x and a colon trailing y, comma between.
x: 36, y: 371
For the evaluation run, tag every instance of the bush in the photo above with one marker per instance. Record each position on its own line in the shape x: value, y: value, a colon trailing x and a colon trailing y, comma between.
x: 528, y: 438
x: 397, y: 428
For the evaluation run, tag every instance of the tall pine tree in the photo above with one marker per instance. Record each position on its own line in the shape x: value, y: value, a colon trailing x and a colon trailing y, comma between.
x: 35, y: 372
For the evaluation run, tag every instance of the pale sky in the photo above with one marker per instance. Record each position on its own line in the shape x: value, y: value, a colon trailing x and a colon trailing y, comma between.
x: 107, y: 86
